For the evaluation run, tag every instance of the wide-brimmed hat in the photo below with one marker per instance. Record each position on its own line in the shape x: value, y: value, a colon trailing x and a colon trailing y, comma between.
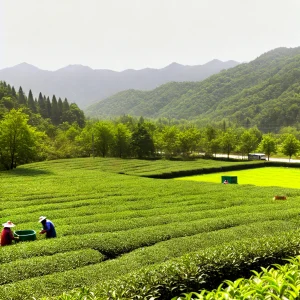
x: 42, y: 218
x: 8, y: 224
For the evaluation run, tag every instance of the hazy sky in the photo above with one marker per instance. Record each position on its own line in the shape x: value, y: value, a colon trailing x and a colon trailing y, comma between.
x: 135, y: 34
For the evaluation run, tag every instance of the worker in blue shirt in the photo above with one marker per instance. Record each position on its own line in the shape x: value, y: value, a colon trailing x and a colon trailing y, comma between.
x: 48, y: 227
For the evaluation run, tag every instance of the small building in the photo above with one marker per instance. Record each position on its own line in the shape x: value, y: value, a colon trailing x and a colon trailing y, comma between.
x: 257, y: 156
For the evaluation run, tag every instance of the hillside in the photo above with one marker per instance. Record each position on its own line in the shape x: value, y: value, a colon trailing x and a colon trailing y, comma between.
x: 84, y: 85
x: 264, y: 92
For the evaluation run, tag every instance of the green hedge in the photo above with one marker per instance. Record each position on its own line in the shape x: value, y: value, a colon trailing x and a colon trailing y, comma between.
x: 226, y: 168
x: 208, y: 170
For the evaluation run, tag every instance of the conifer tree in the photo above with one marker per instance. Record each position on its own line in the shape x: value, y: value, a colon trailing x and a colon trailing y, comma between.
x: 31, y: 103
x: 54, y: 111
x: 60, y: 108
x: 66, y: 105
x: 65, y: 109
x: 21, y: 97
x: 42, y: 105
x: 13, y: 91
x: 48, y: 108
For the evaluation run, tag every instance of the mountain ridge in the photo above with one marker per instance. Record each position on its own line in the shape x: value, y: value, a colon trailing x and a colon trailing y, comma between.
x: 84, y: 85
x: 264, y: 92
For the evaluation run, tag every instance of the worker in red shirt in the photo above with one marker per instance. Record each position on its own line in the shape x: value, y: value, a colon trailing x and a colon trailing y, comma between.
x: 6, y: 234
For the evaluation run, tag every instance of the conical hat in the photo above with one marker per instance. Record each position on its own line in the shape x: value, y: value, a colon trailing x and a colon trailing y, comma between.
x: 8, y: 224
x: 42, y: 218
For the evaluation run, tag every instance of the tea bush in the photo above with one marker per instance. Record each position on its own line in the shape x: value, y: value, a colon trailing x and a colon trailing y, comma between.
x: 278, y: 282
x: 114, y: 227
x: 203, y: 270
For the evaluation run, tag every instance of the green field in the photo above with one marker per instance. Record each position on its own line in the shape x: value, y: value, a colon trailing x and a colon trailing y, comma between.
x: 111, y: 224
x: 270, y: 176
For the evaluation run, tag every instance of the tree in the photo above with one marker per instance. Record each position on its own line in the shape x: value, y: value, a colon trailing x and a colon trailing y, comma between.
x: 65, y: 106
x: 42, y: 106
x: 21, y: 97
x: 64, y: 147
x: 228, y: 141
x: 31, y: 103
x: 210, y: 133
x: 74, y: 114
x: 103, y: 137
x: 73, y: 132
x: 254, y: 130
x: 13, y: 91
x: 17, y: 140
x: 210, y: 142
x: 54, y: 111
x: 141, y: 142
x: 122, y: 140
x: 214, y: 146
x: 289, y: 130
x: 60, y: 109
x: 248, y: 142
x: 268, y: 145
x: 290, y: 146
x: 188, y: 140
x: 158, y: 141
x: 84, y: 140
x: 170, y: 140
x: 48, y: 108
x: 127, y: 120
x: 7, y: 102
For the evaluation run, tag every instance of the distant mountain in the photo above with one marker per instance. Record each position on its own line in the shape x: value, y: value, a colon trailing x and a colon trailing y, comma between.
x: 84, y: 86
x: 264, y: 92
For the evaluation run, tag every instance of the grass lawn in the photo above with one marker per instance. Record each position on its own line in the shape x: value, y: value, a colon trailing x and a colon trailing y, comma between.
x: 269, y: 176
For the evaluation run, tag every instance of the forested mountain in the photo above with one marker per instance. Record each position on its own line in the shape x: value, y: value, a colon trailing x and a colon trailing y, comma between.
x: 84, y: 85
x: 264, y: 92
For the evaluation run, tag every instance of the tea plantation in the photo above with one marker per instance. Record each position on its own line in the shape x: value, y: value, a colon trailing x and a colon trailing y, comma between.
x: 124, y: 235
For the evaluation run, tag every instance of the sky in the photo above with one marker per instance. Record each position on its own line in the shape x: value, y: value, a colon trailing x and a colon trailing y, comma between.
x: 137, y: 34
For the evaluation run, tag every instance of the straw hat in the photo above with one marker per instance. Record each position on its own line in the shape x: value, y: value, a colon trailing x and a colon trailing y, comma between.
x: 42, y: 218
x: 8, y: 224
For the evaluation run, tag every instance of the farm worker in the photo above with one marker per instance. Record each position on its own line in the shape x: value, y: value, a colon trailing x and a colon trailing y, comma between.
x: 225, y: 181
x: 6, y: 234
x: 48, y: 227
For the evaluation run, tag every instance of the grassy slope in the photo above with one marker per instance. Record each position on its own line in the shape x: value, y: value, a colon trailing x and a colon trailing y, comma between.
x: 148, y: 221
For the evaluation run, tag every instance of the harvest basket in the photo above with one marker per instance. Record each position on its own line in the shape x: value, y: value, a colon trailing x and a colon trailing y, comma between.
x: 25, y: 235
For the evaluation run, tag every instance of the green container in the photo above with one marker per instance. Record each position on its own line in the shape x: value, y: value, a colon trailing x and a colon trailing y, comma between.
x: 230, y: 179
x: 25, y: 235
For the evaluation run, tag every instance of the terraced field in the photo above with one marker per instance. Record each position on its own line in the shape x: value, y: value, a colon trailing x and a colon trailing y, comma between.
x: 111, y: 224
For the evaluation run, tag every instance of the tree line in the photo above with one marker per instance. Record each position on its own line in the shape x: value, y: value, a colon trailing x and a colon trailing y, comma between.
x: 55, y: 111
x: 44, y: 134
